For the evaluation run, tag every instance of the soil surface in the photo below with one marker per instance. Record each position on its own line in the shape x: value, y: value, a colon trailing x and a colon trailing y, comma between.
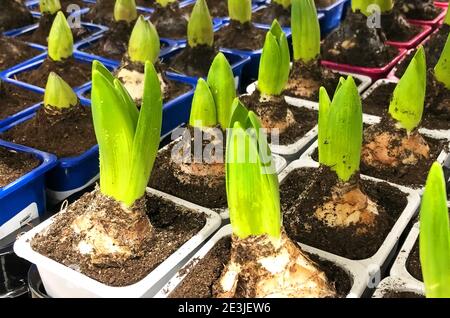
x: 305, y: 189
x: 13, y: 52
x: 170, y: 22
x: 66, y: 134
x: 413, y: 262
x: 354, y: 43
x: 205, y: 187
x: 14, y: 165
x: 102, y: 12
x: 172, y: 227
x: 114, y: 43
x: 397, y: 28
x: 276, y: 113
x: 437, y: 104
x: 271, y: 12
x: 200, y: 281
x: 418, y: 9
x: 244, y: 37
x: 401, y: 294
x: 74, y: 72
x: 193, y: 62
x: 14, y: 14
x: 433, y: 49
x: 305, y: 80
x: 40, y: 35
x: 217, y: 8
x: 409, y: 175
x: 14, y: 99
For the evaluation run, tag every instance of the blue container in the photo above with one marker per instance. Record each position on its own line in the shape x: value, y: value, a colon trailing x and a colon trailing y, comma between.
x: 9, y: 74
x: 69, y: 175
x: 237, y: 62
x: 24, y: 199
x: 333, y: 16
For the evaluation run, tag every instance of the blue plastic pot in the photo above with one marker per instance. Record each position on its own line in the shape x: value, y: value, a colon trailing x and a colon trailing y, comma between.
x: 333, y: 16
x: 237, y: 62
x: 24, y: 199
x: 9, y: 74
x: 69, y: 175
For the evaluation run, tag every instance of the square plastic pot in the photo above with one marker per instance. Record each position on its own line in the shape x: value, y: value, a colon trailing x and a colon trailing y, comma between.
x: 68, y: 175
x: 435, y: 22
x: 356, y: 272
x: 24, y: 199
x: 374, y: 73
x: 415, y: 41
x: 376, y: 265
x: 441, y: 4
x: 62, y: 281
x: 333, y: 15
x: 396, y: 284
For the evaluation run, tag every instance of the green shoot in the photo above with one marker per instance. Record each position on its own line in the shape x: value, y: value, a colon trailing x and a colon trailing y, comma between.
x: 284, y: 3
x: 128, y: 139
x: 222, y: 86
x: 49, y: 6
x: 447, y: 18
x: 60, y: 39
x: 125, y: 10
x: 58, y: 94
x: 407, y: 102
x: 200, y: 27
x: 442, y: 68
x: 305, y: 30
x: 164, y: 3
x: 340, y: 129
x: 240, y: 10
x: 435, y: 236
x: 203, y: 110
x: 252, y: 190
x: 365, y: 6
x: 144, y: 42
x: 274, y: 66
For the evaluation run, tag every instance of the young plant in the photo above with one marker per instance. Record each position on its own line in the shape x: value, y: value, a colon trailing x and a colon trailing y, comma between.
x: 58, y: 94
x: 203, y: 110
x: 200, y: 27
x: 240, y: 10
x: 144, y: 42
x: 282, y: 270
x: 447, y: 18
x: 49, y: 6
x: 367, y: 6
x: 435, y: 236
x: 407, y: 103
x: 60, y: 39
x: 125, y: 10
x: 275, y: 62
x: 442, y: 68
x: 284, y: 3
x: 305, y: 30
x: 164, y: 3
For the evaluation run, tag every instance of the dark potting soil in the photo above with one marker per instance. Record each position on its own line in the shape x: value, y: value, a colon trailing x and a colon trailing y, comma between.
x: 437, y: 104
x: 172, y: 226
x: 401, y: 294
x: 171, y: 21
x: 205, y: 189
x: 101, y: 12
x: 271, y: 12
x: 13, y: 99
x: 306, y: 189
x: 413, y: 263
x: 275, y: 112
x: 324, y: 3
x: 13, y: 15
x: 433, y: 49
x: 14, y: 165
x: 199, y: 282
x: 145, y: 3
x: 397, y: 28
x: 409, y: 175
x: 66, y: 134
x: 13, y: 52
x: 306, y: 79
x: 217, y: 8
x: 418, y: 9
x: 238, y: 36
x: 114, y: 43
x: 354, y: 43
x: 74, y: 72
x: 193, y: 62
x: 40, y: 35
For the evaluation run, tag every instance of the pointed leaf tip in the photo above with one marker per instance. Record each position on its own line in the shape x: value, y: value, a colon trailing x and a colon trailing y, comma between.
x: 60, y: 39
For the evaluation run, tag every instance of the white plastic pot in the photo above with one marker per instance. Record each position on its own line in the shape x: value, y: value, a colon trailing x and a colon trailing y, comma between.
x: 395, y: 284
x: 376, y: 265
x: 355, y: 271
x: 62, y: 281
